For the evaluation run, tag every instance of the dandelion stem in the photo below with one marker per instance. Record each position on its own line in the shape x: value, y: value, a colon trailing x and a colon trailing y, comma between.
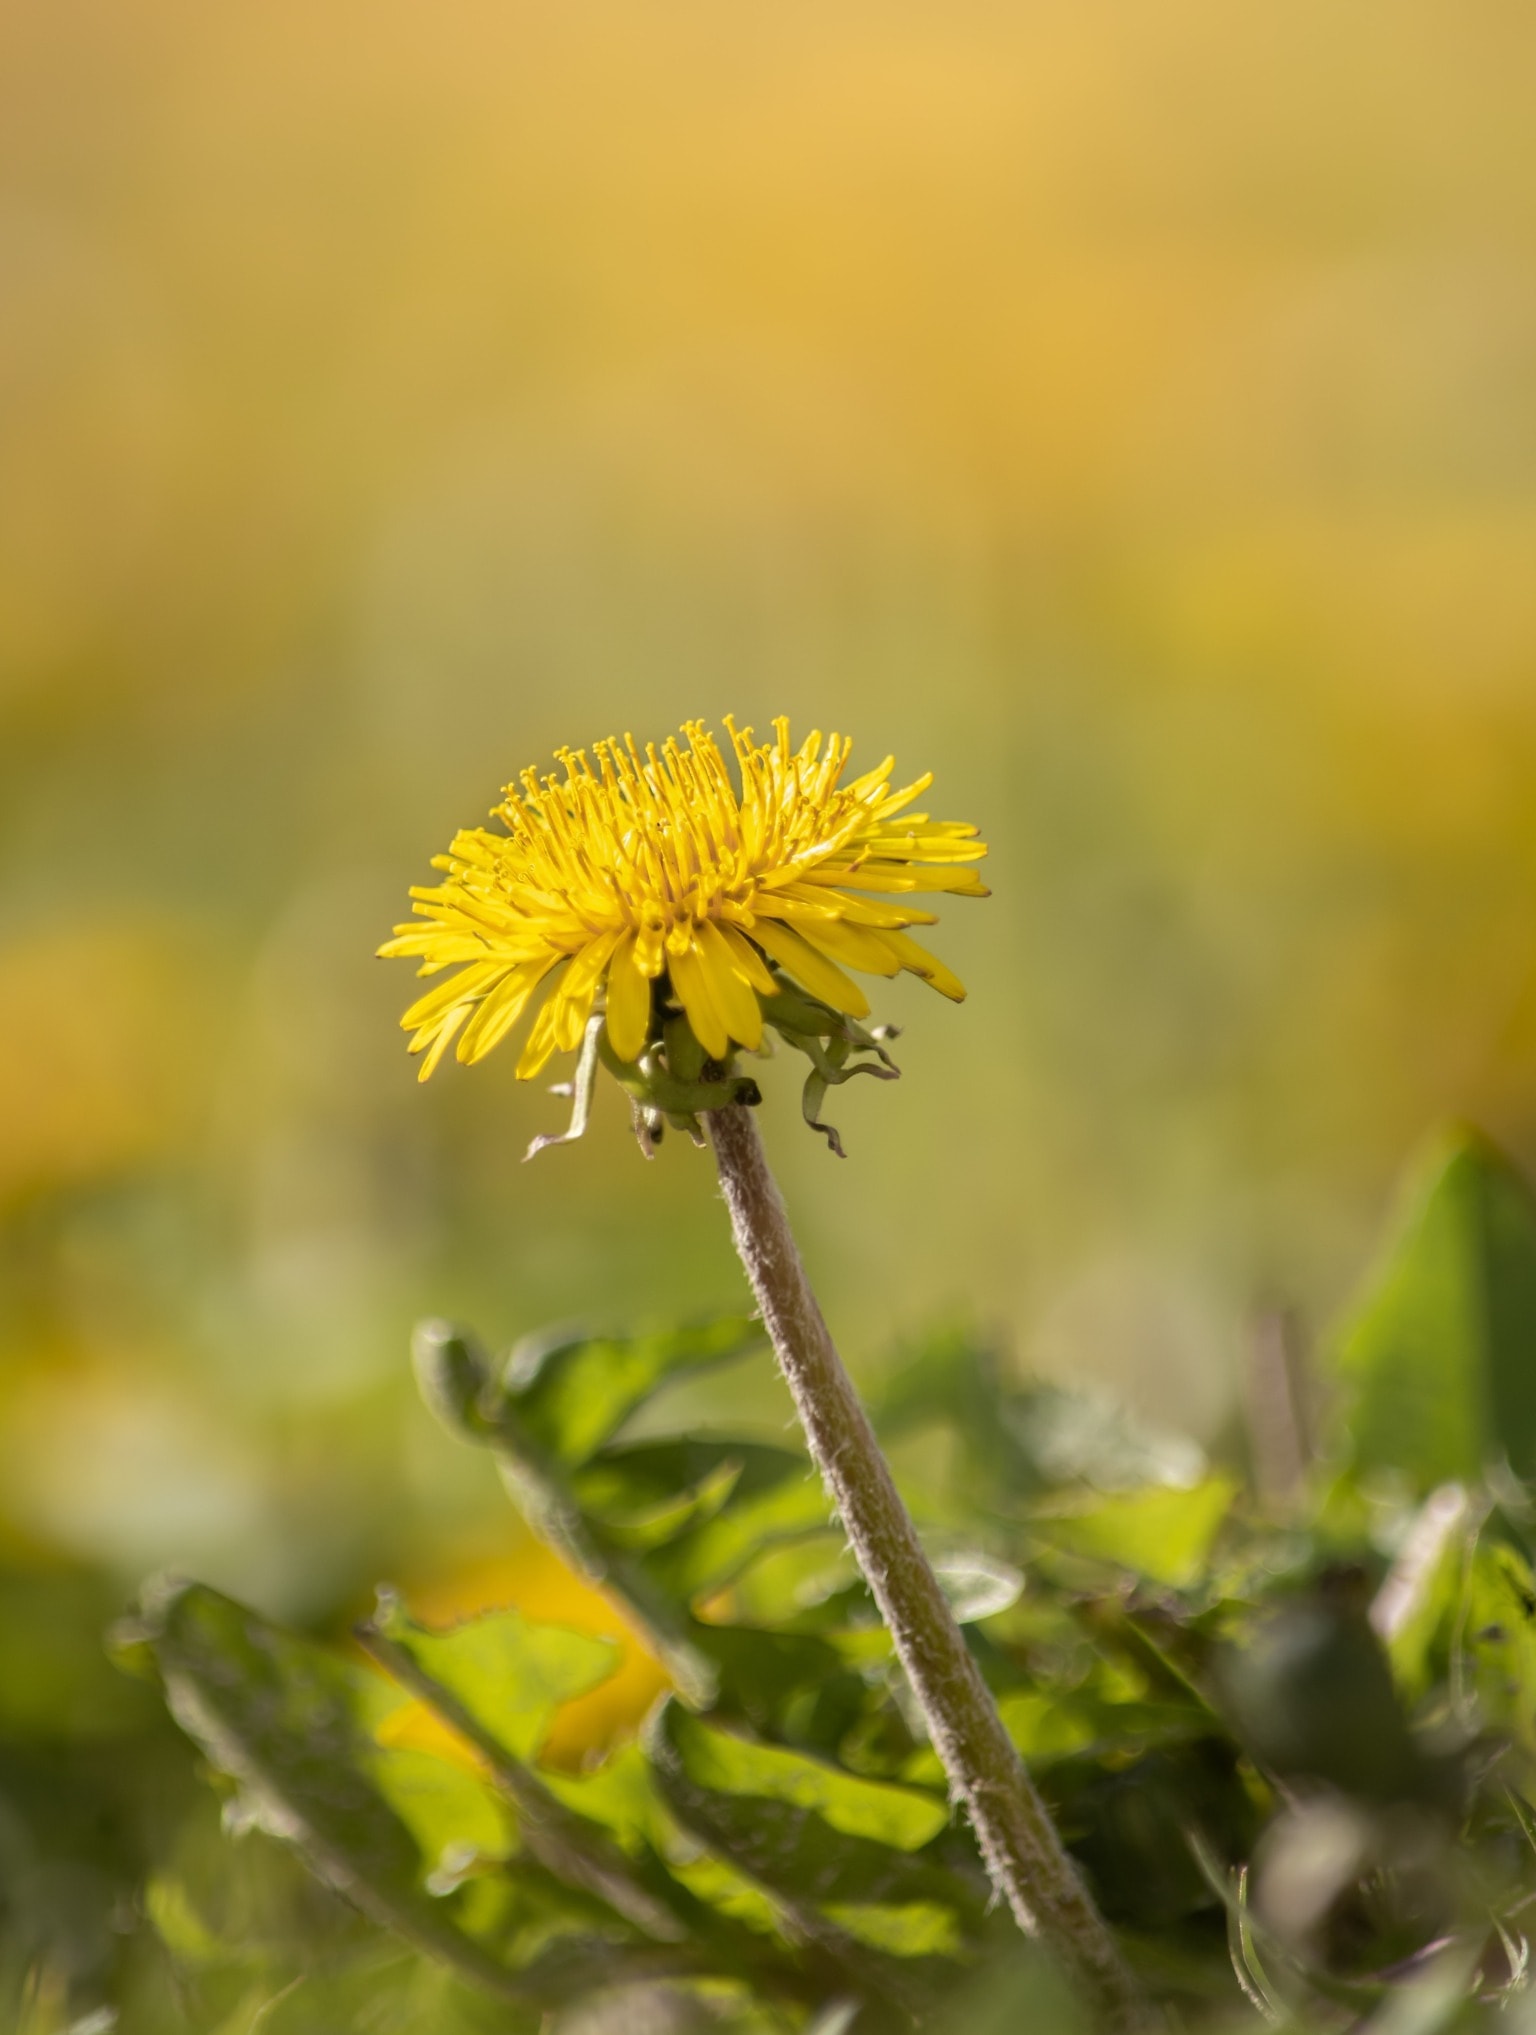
x: 1023, y: 1853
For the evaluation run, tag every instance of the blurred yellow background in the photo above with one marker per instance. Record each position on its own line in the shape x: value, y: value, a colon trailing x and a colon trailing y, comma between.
x: 1129, y: 413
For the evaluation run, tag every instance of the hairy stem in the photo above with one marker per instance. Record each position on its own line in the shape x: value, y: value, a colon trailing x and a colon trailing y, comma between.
x: 1023, y: 1854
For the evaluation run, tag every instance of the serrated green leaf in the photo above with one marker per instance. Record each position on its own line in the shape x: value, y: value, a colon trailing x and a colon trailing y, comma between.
x: 572, y: 1394
x: 625, y: 1795
x: 577, y: 1851
x: 707, y: 1559
x: 1438, y: 1359
x: 291, y: 1722
x: 766, y: 1812
x: 1163, y: 1534
x: 511, y: 1673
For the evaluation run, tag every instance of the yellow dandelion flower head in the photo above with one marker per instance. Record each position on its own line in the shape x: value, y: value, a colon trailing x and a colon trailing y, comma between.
x: 639, y: 875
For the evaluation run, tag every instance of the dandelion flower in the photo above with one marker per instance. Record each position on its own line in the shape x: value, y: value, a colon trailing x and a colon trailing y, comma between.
x: 640, y: 875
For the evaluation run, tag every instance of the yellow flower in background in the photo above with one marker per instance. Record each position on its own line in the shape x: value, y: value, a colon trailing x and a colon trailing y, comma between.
x: 635, y: 866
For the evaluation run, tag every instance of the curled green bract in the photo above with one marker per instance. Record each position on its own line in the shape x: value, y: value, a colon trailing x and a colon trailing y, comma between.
x: 674, y: 1080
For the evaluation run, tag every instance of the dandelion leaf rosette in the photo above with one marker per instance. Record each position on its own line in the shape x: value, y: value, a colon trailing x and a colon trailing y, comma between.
x: 1298, y: 1768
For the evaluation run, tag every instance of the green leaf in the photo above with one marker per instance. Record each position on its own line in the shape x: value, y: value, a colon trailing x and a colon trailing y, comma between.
x: 1022, y: 1440
x: 1416, y: 1610
x: 807, y: 1583
x: 773, y: 1677
x: 624, y: 1795
x: 573, y: 1393
x: 179, y: 1925
x: 1499, y: 1654
x: 576, y: 1850
x: 1163, y: 1534
x: 621, y: 1795
x: 290, y: 1722
x: 1310, y: 1691
x: 661, y: 1521
x: 1438, y: 1360
x: 758, y: 1495
x: 822, y: 1841
x: 457, y: 1821
x: 1048, y: 1726
x: 903, y: 1929
x: 386, y: 1995
x: 510, y: 1673
x: 724, y: 1764
x: 719, y: 1887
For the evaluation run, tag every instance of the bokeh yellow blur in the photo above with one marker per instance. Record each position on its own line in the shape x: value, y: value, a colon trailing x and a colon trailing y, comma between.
x: 1129, y: 413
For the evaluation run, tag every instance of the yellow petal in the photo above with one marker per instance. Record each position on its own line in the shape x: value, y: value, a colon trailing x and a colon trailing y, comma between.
x: 896, y: 876
x: 541, y: 1041
x: 629, y: 1001
x: 862, y: 911
x: 431, y: 940
x: 894, y: 801
x: 749, y: 962
x: 579, y: 988
x: 930, y: 847
x: 874, y: 780
x: 733, y: 998
x: 650, y: 943
x: 856, y: 946
x: 820, y: 976
x: 441, y: 1042
x: 572, y: 1008
x: 587, y: 968
x: 500, y: 1010
x: 691, y: 981
x: 929, y: 966
x: 468, y: 986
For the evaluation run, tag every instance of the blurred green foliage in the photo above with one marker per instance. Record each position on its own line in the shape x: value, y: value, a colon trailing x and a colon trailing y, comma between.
x: 1436, y: 1365
x: 1289, y: 1738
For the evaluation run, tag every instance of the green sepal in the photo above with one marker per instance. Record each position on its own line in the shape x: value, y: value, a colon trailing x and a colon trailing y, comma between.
x: 674, y: 1080
x: 829, y: 1039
